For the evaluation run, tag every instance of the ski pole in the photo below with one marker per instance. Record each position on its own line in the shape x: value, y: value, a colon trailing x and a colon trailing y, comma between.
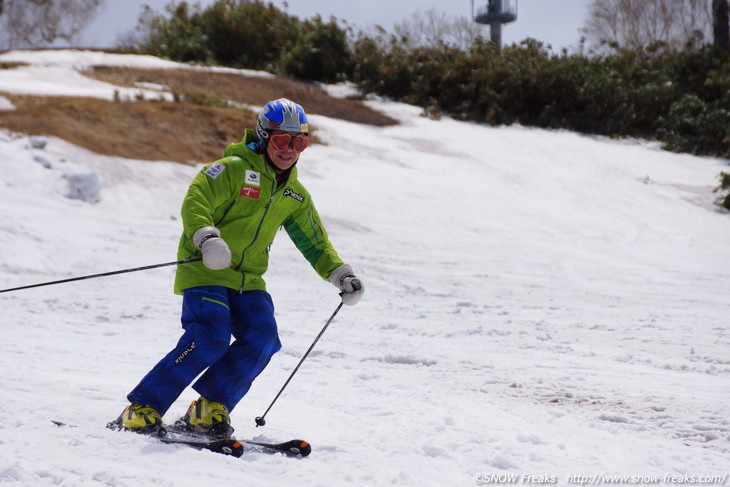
x: 104, y: 274
x: 260, y: 421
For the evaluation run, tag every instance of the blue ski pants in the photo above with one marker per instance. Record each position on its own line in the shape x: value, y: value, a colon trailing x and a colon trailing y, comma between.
x: 210, y: 316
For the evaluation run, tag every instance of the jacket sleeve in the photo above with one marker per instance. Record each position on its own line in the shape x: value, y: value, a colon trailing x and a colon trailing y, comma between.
x: 208, y: 195
x: 310, y: 237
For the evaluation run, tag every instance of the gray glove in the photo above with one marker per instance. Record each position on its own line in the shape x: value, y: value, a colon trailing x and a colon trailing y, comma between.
x: 351, y: 287
x: 216, y: 254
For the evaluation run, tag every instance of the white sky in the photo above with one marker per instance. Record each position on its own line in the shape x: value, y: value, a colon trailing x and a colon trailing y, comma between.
x: 555, y: 22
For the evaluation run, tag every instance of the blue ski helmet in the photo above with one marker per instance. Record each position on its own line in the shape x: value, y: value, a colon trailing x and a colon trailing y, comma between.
x: 281, y: 115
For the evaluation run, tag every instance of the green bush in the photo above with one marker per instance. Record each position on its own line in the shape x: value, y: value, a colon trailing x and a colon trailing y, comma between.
x: 682, y: 100
x: 724, y: 190
x: 250, y: 34
x: 695, y: 126
x: 178, y: 37
x: 322, y: 53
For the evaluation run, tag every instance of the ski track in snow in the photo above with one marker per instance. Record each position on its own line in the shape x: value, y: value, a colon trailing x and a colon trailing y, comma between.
x: 544, y: 303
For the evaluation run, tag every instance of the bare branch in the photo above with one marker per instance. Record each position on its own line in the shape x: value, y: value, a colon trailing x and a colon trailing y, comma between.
x: 429, y: 28
x: 36, y: 23
x: 639, y: 24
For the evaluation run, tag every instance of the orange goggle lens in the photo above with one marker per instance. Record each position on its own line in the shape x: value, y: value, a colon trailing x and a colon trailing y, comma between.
x: 283, y: 141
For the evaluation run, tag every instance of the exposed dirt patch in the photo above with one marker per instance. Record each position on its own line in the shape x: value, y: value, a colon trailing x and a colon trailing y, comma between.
x: 179, y: 132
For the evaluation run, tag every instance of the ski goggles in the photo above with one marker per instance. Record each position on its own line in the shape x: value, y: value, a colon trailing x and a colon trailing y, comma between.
x: 282, y: 141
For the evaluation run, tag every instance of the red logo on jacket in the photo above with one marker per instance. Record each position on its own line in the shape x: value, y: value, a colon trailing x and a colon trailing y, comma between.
x: 250, y: 191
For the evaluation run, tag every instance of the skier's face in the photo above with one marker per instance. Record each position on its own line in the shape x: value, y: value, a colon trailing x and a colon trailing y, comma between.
x: 282, y: 160
x: 284, y: 148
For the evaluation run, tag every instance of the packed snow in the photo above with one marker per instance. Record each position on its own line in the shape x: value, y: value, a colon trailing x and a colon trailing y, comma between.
x: 541, y: 307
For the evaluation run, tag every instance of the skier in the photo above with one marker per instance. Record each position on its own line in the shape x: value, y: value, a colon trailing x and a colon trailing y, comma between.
x: 231, y: 213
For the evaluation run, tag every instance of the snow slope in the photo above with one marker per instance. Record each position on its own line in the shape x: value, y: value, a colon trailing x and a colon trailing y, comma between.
x: 540, y: 306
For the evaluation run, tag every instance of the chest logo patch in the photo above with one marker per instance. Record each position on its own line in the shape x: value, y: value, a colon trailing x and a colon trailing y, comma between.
x: 250, y: 191
x: 253, y: 178
x: 296, y: 196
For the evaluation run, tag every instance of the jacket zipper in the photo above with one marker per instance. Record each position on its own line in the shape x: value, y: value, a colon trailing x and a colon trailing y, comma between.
x: 225, y: 212
x: 256, y: 235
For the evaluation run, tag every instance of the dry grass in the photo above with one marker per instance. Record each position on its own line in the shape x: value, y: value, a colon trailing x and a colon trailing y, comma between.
x: 182, y: 132
x: 12, y: 65
x: 250, y: 90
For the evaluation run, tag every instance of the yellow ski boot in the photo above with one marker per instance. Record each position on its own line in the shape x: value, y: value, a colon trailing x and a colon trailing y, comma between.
x: 207, y: 417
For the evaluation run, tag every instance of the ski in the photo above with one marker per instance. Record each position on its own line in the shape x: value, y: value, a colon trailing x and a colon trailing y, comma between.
x: 292, y: 447
x: 227, y: 446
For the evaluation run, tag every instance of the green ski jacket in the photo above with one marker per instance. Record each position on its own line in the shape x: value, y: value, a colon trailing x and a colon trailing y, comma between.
x: 240, y: 196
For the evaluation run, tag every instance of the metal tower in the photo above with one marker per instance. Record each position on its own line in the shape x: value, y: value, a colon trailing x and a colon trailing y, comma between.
x: 496, y: 13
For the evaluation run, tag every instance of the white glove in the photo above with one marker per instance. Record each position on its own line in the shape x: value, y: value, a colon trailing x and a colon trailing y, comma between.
x: 216, y: 254
x: 351, y: 287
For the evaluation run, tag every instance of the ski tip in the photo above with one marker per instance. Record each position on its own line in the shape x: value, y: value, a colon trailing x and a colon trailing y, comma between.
x: 237, y: 449
x: 300, y: 447
x: 233, y: 448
